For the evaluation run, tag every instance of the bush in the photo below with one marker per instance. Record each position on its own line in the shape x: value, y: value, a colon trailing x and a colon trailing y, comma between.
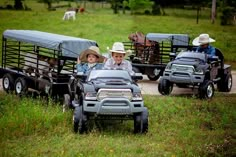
x: 227, y: 16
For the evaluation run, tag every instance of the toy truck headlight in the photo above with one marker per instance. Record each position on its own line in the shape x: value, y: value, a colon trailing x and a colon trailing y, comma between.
x: 199, y: 71
x: 91, y: 96
x: 168, y: 67
x: 137, y: 97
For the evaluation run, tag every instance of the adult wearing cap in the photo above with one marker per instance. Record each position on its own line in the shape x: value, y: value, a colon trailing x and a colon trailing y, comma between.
x: 203, y: 42
x: 89, y: 59
x: 117, y: 60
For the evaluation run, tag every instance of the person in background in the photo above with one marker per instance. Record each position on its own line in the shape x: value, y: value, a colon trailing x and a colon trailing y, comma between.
x: 117, y: 60
x: 89, y: 59
x: 203, y: 42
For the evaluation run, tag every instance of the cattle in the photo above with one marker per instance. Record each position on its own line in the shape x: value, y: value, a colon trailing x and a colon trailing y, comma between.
x: 39, y: 65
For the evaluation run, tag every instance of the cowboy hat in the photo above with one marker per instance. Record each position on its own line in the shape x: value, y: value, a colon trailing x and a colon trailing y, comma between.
x: 91, y: 50
x: 202, y: 39
x: 118, y: 47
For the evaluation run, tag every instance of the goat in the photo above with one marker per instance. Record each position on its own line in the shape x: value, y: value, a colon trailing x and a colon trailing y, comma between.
x: 69, y: 14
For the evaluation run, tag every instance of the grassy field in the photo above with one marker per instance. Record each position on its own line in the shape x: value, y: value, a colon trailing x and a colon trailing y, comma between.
x: 178, y: 126
x: 101, y: 25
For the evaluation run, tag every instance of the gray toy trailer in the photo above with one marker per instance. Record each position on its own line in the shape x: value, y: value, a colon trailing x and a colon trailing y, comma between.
x: 40, y: 61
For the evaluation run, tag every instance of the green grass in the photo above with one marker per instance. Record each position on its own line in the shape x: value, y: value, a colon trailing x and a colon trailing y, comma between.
x: 101, y: 25
x: 178, y: 126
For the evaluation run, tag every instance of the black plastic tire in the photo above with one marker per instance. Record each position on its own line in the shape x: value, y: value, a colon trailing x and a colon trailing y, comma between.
x: 21, y: 86
x: 206, y: 90
x: 165, y: 87
x: 80, y: 120
x: 225, y: 84
x: 8, y: 83
x: 141, y: 122
x: 153, y: 77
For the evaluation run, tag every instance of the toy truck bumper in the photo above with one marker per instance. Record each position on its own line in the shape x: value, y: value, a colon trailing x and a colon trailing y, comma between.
x: 183, y: 77
x: 111, y: 106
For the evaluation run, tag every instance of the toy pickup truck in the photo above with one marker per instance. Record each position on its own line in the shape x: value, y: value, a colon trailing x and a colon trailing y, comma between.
x: 107, y: 94
x: 197, y: 70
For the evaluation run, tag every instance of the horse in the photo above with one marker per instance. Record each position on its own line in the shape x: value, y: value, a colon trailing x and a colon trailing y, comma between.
x: 146, y: 50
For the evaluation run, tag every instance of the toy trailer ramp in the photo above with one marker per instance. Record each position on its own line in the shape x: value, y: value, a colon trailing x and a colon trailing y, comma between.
x: 40, y: 61
x: 151, y: 59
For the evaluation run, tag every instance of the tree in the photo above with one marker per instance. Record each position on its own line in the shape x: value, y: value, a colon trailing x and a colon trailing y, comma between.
x: 49, y: 2
x: 18, y: 5
x: 213, y: 11
x: 139, y: 4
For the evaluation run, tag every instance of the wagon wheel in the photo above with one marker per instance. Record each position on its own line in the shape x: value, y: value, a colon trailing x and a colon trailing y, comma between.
x: 8, y: 83
x: 21, y: 86
x: 153, y: 77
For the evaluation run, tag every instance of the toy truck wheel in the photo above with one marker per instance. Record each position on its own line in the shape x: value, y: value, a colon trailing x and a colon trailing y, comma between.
x: 8, y: 83
x: 165, y: 87
x: 141, y: 122
x: 80, y: 120
x: 21, y: 87
x: 66, y: 102
x: 206, y: 90
x: 225, y: 84
x: 153, y: 77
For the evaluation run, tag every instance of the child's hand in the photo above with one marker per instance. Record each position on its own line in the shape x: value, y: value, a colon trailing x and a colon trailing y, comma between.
x: 78, y: 60
x: 104, y: 60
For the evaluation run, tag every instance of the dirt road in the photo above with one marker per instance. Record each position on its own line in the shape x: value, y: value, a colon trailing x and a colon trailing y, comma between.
x: 150, y: 87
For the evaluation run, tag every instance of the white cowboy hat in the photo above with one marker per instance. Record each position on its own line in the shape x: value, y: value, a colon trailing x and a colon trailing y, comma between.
x: 118, y: 47
x: 91, y: 50
x: 202, y: 39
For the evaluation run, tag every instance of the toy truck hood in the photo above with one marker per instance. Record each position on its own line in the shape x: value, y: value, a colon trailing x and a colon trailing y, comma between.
x: 97, y: 84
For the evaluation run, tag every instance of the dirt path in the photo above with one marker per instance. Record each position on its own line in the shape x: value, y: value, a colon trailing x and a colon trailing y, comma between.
x: 150, y: 87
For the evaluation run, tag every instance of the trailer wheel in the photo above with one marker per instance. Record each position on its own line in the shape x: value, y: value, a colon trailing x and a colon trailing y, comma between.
x: 153, y: 77
x: 21, y: 86
x: 8, y: 83
x: 225, y: 84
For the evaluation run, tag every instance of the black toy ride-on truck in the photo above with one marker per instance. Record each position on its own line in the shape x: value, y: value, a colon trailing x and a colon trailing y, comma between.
x: 195, y: 69
x: 106, y: 95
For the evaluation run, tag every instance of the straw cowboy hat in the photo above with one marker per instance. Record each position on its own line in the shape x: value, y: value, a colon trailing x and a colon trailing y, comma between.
x: 91, y: 50
x: 118, y: 47
x: 202, y: 39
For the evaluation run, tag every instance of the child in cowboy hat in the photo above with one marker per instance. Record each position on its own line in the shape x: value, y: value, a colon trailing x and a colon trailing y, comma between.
x: 91, y: 58
x: 203, y: 42
x: 117, y: 60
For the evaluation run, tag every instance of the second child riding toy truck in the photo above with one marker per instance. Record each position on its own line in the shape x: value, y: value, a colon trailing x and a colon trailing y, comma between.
x: 197, y: 70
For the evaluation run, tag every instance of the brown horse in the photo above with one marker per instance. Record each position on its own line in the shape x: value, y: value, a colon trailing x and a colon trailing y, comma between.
x: 147, y: 51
